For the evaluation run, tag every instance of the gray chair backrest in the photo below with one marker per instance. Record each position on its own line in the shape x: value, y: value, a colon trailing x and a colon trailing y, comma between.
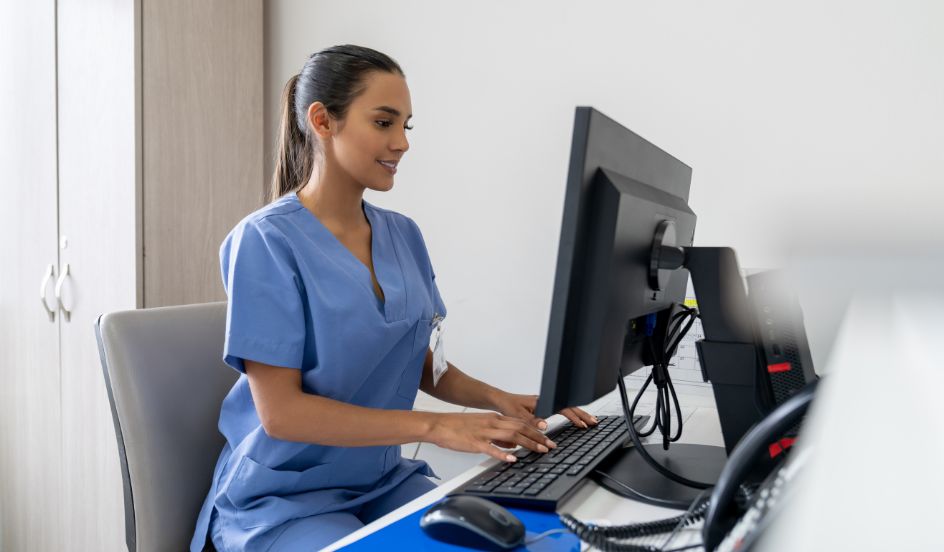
x: 166, y: 380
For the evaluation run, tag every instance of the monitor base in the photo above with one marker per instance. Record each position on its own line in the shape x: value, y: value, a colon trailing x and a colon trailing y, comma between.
x: 696, y: 462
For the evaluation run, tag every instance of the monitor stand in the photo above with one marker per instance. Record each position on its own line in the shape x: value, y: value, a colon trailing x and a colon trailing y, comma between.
x: 630, y: 470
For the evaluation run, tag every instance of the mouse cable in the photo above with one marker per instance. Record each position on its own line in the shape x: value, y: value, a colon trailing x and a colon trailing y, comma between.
x: 547, y: 533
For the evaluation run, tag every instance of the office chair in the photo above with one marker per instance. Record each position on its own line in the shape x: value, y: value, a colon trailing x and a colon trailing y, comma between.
x: 166, y: 380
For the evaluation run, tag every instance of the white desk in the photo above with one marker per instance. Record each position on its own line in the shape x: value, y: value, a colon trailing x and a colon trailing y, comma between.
x: 591, y: 502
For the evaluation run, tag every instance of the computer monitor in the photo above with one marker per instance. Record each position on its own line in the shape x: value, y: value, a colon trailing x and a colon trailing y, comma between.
x: 625, y: 255
x: 619, y: 188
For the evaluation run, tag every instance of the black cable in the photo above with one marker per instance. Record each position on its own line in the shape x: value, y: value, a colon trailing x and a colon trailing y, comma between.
x: 632, y: 409
x: 678, y: 326
x: 645, y: 455
x: 699, y: 501
x: 605, y: 537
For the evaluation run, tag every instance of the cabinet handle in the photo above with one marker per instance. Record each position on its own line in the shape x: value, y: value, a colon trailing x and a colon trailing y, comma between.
x: 50, y: 272
x: 66, y: 314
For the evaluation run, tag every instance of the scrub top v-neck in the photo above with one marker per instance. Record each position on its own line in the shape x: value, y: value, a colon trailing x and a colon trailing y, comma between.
x: 298, y: 298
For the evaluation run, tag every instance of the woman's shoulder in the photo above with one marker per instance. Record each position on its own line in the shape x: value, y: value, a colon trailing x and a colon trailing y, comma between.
x: 285, y: 206
x: 263, y: 226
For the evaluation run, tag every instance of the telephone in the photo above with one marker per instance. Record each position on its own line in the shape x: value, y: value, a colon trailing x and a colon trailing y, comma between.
x: 735, y: 516
x: 723, y: 513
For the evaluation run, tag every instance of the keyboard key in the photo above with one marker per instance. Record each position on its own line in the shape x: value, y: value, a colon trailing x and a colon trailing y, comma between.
x: 521, y: 453
x: 549, y: 459
x: 508, y: 490
x: 487, y: 488
x: 484, y: 478
x: 572, y: 459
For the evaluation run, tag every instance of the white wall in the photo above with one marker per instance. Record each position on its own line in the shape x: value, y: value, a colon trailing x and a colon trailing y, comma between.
x: 810, y: 126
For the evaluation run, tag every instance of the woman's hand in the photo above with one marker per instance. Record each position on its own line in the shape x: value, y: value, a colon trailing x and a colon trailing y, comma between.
x: 482, y: 432
x: 522, y: 406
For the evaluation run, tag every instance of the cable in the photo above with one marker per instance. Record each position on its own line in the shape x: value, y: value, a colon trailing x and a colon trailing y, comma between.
x: 678, y: 326
x: 547, y: 533
x: 642, y: 450
x: 605, y: 537
x: 697, y: 502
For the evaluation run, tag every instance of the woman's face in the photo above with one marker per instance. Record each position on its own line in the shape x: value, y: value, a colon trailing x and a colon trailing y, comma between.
x: 371, y: 139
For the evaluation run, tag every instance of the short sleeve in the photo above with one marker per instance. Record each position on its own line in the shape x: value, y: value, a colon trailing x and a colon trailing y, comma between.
x: 265, y: 318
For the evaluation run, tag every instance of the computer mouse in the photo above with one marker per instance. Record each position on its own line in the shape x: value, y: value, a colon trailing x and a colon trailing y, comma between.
x: 473, y: 522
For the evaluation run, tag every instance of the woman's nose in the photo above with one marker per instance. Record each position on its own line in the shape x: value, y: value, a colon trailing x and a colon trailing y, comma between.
x: 401, y: 144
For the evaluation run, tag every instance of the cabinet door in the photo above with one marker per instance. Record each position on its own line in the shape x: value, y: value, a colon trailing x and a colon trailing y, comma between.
x: 98, y: 145
x: 29, y: 339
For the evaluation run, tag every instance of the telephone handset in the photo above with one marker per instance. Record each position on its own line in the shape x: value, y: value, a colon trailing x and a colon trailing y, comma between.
x: 723, y: 513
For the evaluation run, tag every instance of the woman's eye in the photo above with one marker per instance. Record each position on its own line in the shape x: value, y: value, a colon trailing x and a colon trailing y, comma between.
x: 385, y: 124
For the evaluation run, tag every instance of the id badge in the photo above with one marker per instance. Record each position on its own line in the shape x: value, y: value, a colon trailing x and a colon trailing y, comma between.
x: 439, y: 356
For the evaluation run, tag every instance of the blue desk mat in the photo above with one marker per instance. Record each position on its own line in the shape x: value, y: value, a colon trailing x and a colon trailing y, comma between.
x: 406, y: 534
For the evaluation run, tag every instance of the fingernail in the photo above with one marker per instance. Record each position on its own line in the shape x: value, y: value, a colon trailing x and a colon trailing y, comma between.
x: 510, y: 458
x: 551, y: 444
x: 542, y: 424
x: 542, y: 448
x: 595, y: 420
x: 583, y: 424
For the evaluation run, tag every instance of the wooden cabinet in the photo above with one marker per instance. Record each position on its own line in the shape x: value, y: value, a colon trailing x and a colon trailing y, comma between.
x: 130, y: 143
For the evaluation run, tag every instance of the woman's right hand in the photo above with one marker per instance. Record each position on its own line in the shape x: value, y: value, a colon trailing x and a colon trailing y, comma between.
x: 478, y: 433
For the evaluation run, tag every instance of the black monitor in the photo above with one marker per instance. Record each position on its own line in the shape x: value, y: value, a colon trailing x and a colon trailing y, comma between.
x: 623, y: 266
x: 619, y: 188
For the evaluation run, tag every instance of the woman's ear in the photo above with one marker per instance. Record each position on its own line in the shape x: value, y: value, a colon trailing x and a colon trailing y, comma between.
x: 319, y: 120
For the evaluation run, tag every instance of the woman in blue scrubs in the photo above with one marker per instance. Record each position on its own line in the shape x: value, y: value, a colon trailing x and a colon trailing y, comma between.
x: 332, y: 301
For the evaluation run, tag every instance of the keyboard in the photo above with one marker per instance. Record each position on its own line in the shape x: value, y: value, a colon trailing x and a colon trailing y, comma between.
x: 541, y: 481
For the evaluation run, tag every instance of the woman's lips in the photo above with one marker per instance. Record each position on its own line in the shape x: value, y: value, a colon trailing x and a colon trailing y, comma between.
x: 391, y: 168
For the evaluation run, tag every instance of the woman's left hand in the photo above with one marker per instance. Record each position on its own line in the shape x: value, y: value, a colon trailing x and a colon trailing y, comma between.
x: 522, y: 407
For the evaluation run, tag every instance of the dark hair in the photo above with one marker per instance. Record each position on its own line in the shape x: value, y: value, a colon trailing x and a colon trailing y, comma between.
x: 334, y: 76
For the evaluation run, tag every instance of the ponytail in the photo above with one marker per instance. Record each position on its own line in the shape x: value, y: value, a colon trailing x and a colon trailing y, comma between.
x: 294, y: 156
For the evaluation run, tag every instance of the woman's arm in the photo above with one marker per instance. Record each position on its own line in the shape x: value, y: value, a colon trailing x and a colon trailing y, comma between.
x: 456, y: 387
x: 290, y: 414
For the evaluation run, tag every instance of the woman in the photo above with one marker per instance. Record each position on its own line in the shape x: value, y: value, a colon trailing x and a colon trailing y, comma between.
x: 332, y: 302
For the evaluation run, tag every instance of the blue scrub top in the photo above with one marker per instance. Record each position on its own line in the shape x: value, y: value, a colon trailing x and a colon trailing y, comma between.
x: 300, y: 299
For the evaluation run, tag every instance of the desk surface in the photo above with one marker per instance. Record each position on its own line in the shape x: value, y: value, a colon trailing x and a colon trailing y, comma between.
x: 590, y: 502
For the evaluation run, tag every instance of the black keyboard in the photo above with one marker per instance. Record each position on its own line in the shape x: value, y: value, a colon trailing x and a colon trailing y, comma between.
x: 542, y: 481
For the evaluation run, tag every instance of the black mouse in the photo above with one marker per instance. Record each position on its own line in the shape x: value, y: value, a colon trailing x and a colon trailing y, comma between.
x: 474, y: 522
